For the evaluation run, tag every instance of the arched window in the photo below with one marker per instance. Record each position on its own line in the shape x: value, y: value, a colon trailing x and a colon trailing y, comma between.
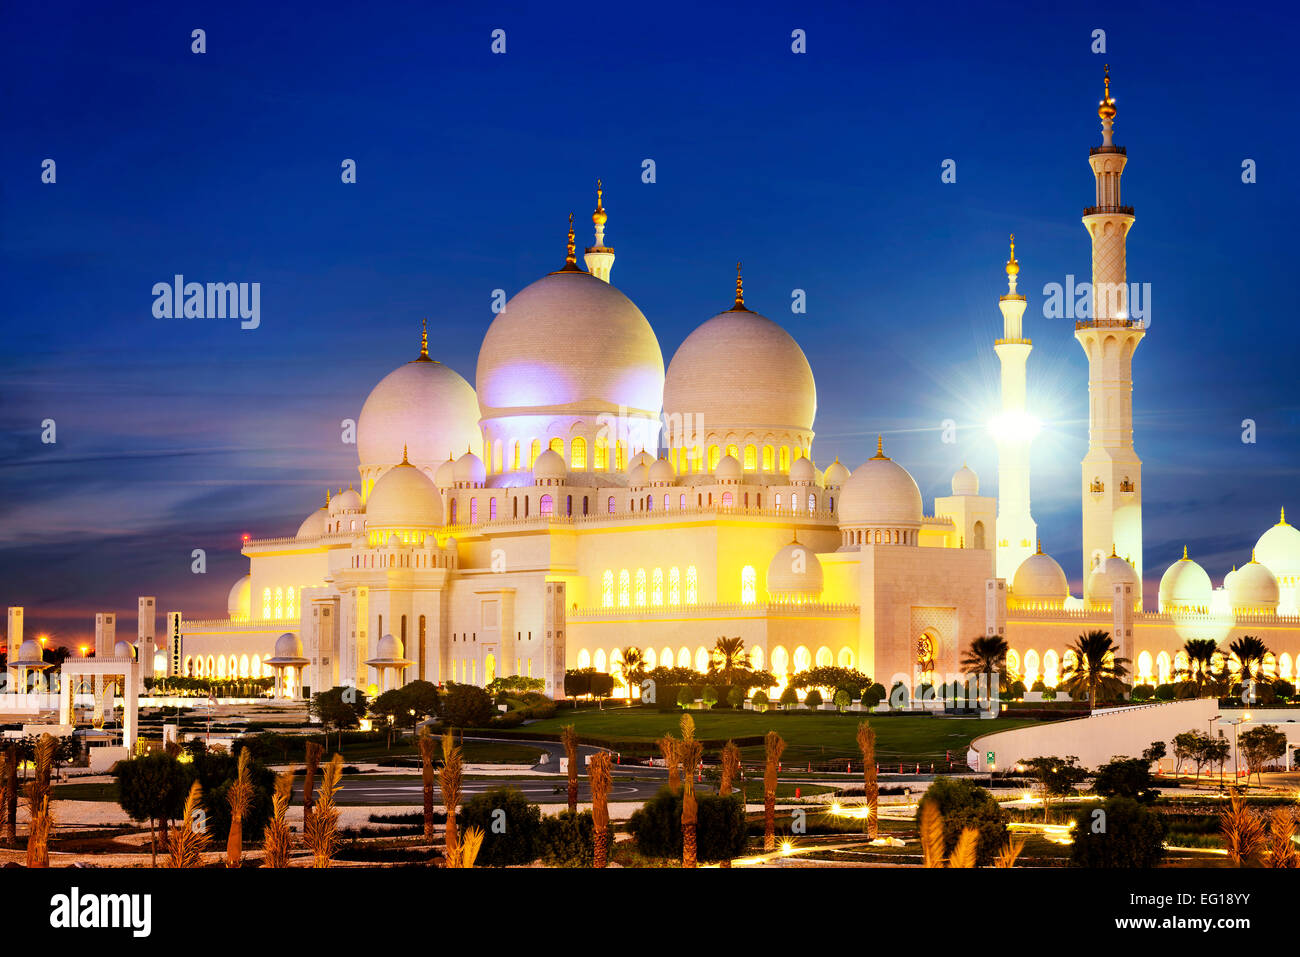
x: 1144, y: 665
x: 1031, y: 667
x: 496, y: 455
x: 534, y: 450
x: 256, y: 667
x: 802, y: 659
x: 785, y: 458
x: 778, y: 501
x: 650, y: 659
x: 640, y: 587
x: 649, y: 503
x: 607, y: 589
x: 557, y: 446
x: 657, y: 587
x: 1162, y: 667
x: 846, y: 657
x: 780, y: 663
x: 681, y: 502
x: 1051, y: 668
x: 726, y: 500
x: 756, y: 658
x: 767, y: 458
x: 515, y: 456
x: 668, y: 501
x: 602, y: 454
x: 290, y: 609
x: 624, y: 588
x: 279, y: 603
x: 734, y: 452
x: 544, y: 507
x: 568, y: 505
x: 692, y: 585
x: 473, y: 511
x: 266, y: 604
x: 584, y: 505
x: 751, y: 458
x: 620, y: 456
x: 600, y: 663
x: 584, y: 658
x: 578, y: 455
x: 824, y: 657
x: 714, y: 456
x: 611, y: 505
x: 701, y: 659
x: 492, y: 508
x: 794, y: 502
x: 812, y: 503
x: 977, y: 535
x: 452, y: 513
x: 748, y: 585
x: 674, y: 586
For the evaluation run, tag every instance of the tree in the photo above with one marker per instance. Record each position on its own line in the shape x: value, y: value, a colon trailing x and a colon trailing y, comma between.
x: 813, y: 699
x: 789, y: 697
x: 709, y: 696
x: 721, y: 831
x: 218, y: 772
x: 151, y: 788
x: 966, y: 807
x: 870, y: 784
x: 1119, y: 833
x: 1281, y: 847
x: 40, y: 820
x: 842, y: 699
x: 987, y: 655
x: 407, y: 706
x: 1186, y: 745
x: 1215, y: 751
x: 1259, y: 746
x: 1200, y: 662
x: 631, y: 668
x: 465, y: 706
x: 672, y: 761
x: 1155, y: 753
x: 1242, y: 831
x: 1126, y: 777
x: 728, y: 658
x: 601, y: 778
x: 569, y: 737
x: 188, y: 842
x: 239, y: 796
x: 690, y: 750
x: 730, y: 767
x: 322, y: 831
x: 773, y: 746
x: 1095, y: 668
x: 735, y: 696
x: 1056, y: 777
x: 314, y: 752
x: 1249, y: 653
x: 339, y: 708
x: 277, y: 839
x: 427, y: 746
x: 830, y: 678
x: 449, y: 782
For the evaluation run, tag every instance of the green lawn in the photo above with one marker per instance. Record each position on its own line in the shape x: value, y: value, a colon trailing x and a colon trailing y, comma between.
x: 808, y: 737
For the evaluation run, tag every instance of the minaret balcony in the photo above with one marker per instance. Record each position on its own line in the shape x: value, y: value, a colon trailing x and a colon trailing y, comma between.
x: 1121, y: 150
x: 1109, y: 324
x: 1121, y: 210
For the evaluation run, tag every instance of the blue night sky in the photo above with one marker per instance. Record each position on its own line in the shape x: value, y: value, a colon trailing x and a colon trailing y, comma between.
x: 821, y: 171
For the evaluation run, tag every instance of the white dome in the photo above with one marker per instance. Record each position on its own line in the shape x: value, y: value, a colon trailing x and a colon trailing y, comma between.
x: 661, y: 473
x: 728, y: 471
x: 880, y: 492
x: 1185, y: 585
x: 1111, y: 572
x: 965, y: 482
x: 288, y: 646
x: 389, y: 647
x: 469, y: 470
x: 1040, y: 581
x: 445, y: 475
x: 346, y: 501
x: 549, y: 466
x: 740, y: 370
x: 404, y: 497
x: 642, y: 458
x: 313, y: 526
x: 1279, y: 550
x: 803, y: 472
x: 836, y: 474
x: 638, y: 476
x: 795, y: 570
x: 29, y: 653
x: 1253, y: 588
x: 239, y: 603
x: 569, y: 342
x: 123, y: 649
x: 424, y: 406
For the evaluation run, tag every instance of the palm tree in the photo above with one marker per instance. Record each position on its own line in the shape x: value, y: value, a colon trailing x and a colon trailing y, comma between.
x: 690, y: 752
x: 1094, y: 667
x: 1243, y: 833
x: 1200, y: 661
x: 9, y: 792
x: 277, y: 840
x: 187, y: 843
x: 870, y: 786
x: 598, y: 771
x: 1281, y: 847
x: 774, y: 746
x: 427, y: 778
x: 314, y: 751
x: 570, y: 738
x: 987, y: 655
x: 240, y: 798
x: 40, y: 822
x: 631, y: 668
x: 322, y: 832
x: 1249, y: 652
x: 449, y: 780
x: 668, y: 747
x: 730, y: 767
x: 727, y: 658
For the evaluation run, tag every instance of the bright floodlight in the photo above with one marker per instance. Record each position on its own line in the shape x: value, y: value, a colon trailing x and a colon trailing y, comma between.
x: 1014, y: 427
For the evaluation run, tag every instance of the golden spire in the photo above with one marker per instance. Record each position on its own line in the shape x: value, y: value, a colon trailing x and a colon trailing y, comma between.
x: 1040, y: 546
x: 1252, y: 556
x: 404, y: 461
x: 1112, y: 550
x: 599, y: 217
x: 880, y: 448
x: 1184, y: 553
x: 1013, y: 267
x: 1282, y: 520
x: 1106, y: 108
x: 570, y: 256
x: 424, y: 342
x: 740, y: 292
x: 327, y: 498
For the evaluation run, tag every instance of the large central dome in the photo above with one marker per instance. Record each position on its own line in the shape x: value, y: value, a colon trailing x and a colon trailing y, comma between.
x: 569, y: 343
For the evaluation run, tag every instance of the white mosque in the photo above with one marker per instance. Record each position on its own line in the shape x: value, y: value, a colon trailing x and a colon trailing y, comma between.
x: 578, y: 499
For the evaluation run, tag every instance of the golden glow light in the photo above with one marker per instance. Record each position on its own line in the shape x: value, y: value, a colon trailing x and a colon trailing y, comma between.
x: 1014, y: 426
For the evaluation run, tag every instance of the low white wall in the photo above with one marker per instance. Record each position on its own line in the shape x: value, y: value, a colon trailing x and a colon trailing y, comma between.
x: 1104, y: 734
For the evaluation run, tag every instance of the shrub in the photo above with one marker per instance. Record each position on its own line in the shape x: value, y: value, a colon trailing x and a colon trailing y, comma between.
x: 465, y: 706
x: 1142, y: 692
x: 1162, y: 692
x: 813, y: 699
x: 685, y: 695
x: 789, y: 697
x: 964, y: 805
x: 842, y: 698
x: 720, y: 830
x: 760, y: 699
x: 517, y: 841
x: 1049, y: 694
x: 709, y: 696
x: 542, y: 709
x: 1016, y: 690
x: 216, y: 772
x: 1123, y: 834
x: 874, y: 695
x: 1038, y: 685
x: 736, y: 696
x: 567, y: 841
x: 1126, y: 777
x: 1283, y: 688
x: 511, y: 719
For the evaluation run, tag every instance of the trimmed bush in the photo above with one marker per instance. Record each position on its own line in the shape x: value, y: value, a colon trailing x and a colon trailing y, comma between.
x: 842, y: 698
x: 760, y: 699
x: 735, y: 696
x: 709, y: 696
x: 720, y: 830
x: 1038, y: 685
x: 964, y: 805
x: 1128, y: 835
x: 567, y: 841
x: 789, y: 697
x: 1142, y: 692
x: 686, y: 695
x: 813, y: 699
x: 873, y: 695
x: 517, y: 842
x: 1164, y: 692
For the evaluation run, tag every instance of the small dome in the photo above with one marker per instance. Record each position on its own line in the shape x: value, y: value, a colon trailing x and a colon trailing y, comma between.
x: 1040, y: 581
x: 728, y: 471
x: 422, y: 406
x: 795, y: 571
x: 1111, y: 572
x: 445, y: 476
x: 661, y: 472
x: 836, y: 474
x: 549, y: 467
x: 313, y: 526
x: 1253, y: 588
x: 803, y: 472
x: 965, y: 481
x: 29, y: 653
x: 642, y: 458
x: 404, y: 497
x: 1184, y: 586
x: 469, y: 471
x: 389, y: 647
x: 123, y: 649
x: 638, y: 476
x: 1279, y: 550
x: 880, y: 492
x: 346, y: 501
x: 1228, y: 578
x: 288, y: 647
x: 239, y: 603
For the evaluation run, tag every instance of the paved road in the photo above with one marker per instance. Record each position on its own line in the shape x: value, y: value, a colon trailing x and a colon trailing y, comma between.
x: 373, y: 789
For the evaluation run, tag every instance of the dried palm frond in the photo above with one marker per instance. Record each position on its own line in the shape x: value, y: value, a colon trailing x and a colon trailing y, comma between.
x: 187, y: 843
x: 449, y: 781
x: 41, y: 822
x: 240, y: 798
x: 931, y: 834
x: 427, y: 778
x: 672, y: 761
x: 314, y: 751
x: 1243, y: 832
x: 598, y: 771
x: 277, y: 840
x: 730, y: 767
x: 964, y: 854
x: 322, y: 832
x: 1010, y: 851
x: 1281, y: 830
x: 467, y: 851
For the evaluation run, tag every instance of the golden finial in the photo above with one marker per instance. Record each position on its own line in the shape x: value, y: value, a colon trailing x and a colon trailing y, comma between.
x: 1112, y: 550
x: 404, y: 461
x: 1013, y: 267
x: 740, y: 291
x: 880, y: 448
x: 599, y: 217
x: 570, y: 256
x: 327, y: 498
x: 1106, y: 109
x: 1040, y: 546
x: 1282, y: 520
x: 1252, y: 556
x: 1184, y: 553
x: 424, y: 340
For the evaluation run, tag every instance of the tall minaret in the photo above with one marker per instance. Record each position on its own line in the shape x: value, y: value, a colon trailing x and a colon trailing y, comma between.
x: 1016, y: 528
x: 600, y: 258
x: 1112, y: 472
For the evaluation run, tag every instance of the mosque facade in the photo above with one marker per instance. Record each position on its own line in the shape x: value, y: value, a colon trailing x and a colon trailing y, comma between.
x: 580, y: 498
